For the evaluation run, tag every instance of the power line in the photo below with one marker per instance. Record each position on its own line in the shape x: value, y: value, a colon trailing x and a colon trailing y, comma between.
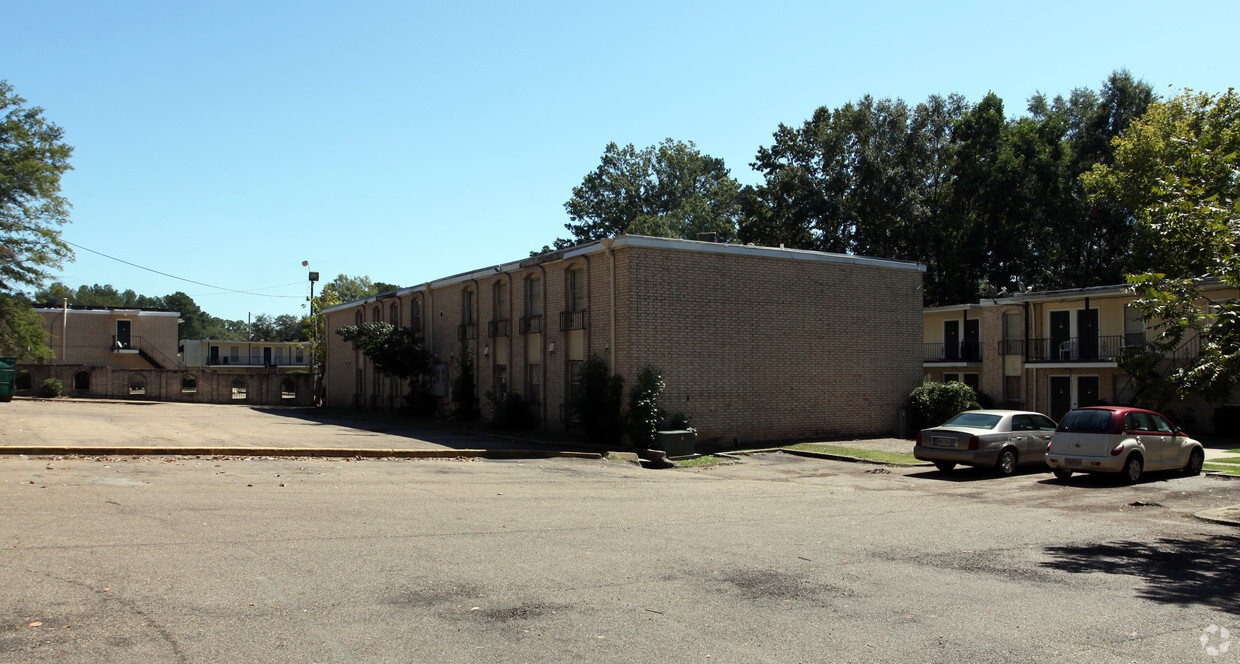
x: 173, y: 276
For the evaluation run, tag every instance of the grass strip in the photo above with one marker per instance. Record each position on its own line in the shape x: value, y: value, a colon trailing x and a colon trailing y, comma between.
x: 1225, y: 468
x: 857, y: 452
x: 1226, y: 460
x: 704, y: 460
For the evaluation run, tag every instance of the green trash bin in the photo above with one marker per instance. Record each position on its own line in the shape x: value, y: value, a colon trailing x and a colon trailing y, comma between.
x: 8, y: 373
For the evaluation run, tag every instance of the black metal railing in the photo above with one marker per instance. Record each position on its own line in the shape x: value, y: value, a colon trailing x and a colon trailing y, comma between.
x: 147, y: 350
x: 530, y: 325
x: 498, y: 328
x: 574, y: 320
x: 1012, y: 347
x: 466, y: 331
x: 1074, y: 349
x: 964, y: 351
x: 257, y: 361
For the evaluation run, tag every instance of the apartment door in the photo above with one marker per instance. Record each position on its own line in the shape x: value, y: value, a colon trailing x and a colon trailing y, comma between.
x: 1087, y: 332
x: 123, y: 333
x: 972, y: 340
x: 266, y: 356
x: 951, y: 340
x: 1061, y: 336
x: 1061, y: 396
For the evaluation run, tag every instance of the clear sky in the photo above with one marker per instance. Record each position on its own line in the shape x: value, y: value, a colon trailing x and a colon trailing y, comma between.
x: 226, y: 142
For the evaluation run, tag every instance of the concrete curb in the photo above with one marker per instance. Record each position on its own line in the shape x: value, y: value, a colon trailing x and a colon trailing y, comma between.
x: 835, y: 457
x: 1229, y: 516
x: 293, y: 452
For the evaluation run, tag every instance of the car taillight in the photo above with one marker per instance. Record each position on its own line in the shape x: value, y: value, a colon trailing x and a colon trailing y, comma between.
x: 1117, y: 450
x: 1048, y: 446
x: 918, y: 437
x: 973, y: 442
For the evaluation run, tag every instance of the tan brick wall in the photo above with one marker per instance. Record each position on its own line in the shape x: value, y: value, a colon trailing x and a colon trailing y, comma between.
x: 90, y: 336
x: 751, y: 347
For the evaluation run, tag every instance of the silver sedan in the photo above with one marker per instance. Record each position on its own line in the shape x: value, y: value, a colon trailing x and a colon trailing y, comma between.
x: 999, y: 439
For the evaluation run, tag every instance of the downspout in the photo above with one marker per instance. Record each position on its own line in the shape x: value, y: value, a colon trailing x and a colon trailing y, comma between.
x: 64, y: 333
x: 607, y: 243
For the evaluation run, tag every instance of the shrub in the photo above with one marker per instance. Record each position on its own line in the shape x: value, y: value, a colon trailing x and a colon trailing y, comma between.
x: 509, y: 412
x: 51, y: 388
x: 465, y: 394
x: 931, y: 404
x: 597, y: 402
x: 644, y: 414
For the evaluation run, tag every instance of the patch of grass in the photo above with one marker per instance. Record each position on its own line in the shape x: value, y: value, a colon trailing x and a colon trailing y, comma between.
x: 1235, y: 451
x: 872, y: 455
x: 1225, y: 468
x: 704, y: 460
x: 1226, y: 460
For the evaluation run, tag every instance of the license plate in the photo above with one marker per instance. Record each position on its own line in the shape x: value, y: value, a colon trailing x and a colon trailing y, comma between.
x: 1073, y: 463
x: 942, y: 442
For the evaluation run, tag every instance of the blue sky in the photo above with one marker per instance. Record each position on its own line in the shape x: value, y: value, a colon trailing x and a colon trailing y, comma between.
x: 227, y: 142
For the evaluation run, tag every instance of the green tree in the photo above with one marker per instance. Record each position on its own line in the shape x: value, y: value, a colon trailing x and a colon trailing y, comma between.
x: 644, y: 415
x: 666, y: 190
x: 33, y: 157
x: 395, y: 351
x: 464, y: 388
x: 1178, y: 168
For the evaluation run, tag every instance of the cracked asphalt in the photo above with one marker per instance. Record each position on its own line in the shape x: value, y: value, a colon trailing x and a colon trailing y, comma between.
x: 775, y: 559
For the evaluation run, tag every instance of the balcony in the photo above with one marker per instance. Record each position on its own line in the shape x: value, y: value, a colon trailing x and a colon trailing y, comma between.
x: 530, y: 325
x: 498, y: 328
x: 1075, y: 349
x: 574, y: 320
x: 466, y: 331
x: 964, y: 351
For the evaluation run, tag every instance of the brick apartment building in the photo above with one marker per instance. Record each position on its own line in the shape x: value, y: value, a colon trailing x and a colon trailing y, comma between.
x: 130, y: 353
x: 1052, y: 351
x: 754, y: 343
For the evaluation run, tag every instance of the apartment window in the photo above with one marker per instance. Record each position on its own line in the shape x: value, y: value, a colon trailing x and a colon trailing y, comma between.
x: 1012, y: 334
x: 234, y: 355
x: 377, y: 314
x: 574, y: 315
x: 1134, y: 326
x: 498, y: 327
x: 575, y: 289
x: 416, y: 314
x: 279, y: 357
x: 531, y: 323
x: 971, y: 379
x: 501, y: 381
x: 256, y: 355
x: 358, y: 318
x: 394, y: 314
x: 467, y: 329
x: 533, y: 383
x: 299, y: 356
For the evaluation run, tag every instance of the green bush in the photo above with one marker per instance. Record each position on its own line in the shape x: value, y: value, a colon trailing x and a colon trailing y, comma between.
x: 644, y: 414
x: 932, y: 404
x: 465, y: 393
x: 597, y: 402
x: 51, y: 388
x: 509, y: 412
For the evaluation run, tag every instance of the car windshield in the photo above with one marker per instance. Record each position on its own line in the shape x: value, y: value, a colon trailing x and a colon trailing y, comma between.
x: 1087, y: 421
x: 974, y: 421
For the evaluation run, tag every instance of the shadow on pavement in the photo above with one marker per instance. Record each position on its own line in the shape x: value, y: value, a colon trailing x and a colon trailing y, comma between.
x: 971, y: 474
x: 1175, y: 570
x: 404, y: 429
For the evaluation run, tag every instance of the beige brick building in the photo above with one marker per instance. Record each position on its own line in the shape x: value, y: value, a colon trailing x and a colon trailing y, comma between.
x: 133, y: 353
x: 754, y: 343
x: 1051, y: 351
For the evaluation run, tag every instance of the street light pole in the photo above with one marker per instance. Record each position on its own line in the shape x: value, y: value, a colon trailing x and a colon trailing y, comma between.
x: 314, y: 336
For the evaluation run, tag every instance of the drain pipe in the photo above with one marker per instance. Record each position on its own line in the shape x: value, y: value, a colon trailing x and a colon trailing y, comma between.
x: 607, y: 243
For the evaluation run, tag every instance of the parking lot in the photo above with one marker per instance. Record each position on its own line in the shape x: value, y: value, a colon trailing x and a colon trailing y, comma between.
x: 775, y: 559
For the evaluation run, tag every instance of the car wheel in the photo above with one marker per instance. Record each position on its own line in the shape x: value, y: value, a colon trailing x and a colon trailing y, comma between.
x: 1006, y: 465
x: 1132, y: 469
x: 944, y: 466
x: 1196, y: 459
x: 1062, y: 474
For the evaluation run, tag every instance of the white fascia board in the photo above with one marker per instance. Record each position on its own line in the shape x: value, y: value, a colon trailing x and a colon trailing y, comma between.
x: 747, y: 250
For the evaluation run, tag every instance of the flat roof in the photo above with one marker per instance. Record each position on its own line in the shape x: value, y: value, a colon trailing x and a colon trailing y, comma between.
x: 643, y: 241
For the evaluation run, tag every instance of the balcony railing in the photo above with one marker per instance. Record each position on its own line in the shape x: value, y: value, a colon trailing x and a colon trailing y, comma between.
x: 239, y: 361
x: 531, y: 325
x: 466, y: 331
x: 498, y: 328
x: 1074, y: 349
x: 574, y: 320
x: 964, y: 351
